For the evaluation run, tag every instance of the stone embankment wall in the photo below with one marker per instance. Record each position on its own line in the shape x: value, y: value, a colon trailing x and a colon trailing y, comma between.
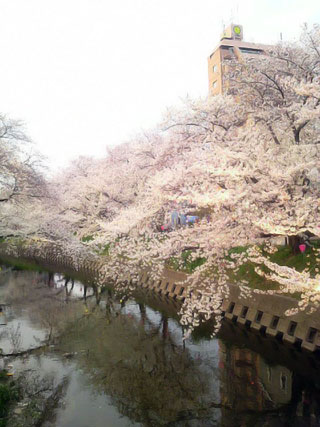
x: 264, y: 313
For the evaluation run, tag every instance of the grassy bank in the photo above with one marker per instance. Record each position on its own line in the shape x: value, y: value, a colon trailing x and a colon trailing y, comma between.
x: 283, y: 256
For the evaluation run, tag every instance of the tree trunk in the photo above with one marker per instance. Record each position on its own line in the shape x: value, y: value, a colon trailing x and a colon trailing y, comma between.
x: 294, y: 242
x: 97, y: 294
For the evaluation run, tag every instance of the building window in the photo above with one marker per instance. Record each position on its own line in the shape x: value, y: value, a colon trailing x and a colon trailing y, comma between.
x: 215, y: 68
x: 227, y: 52
x: 214, y: 84
x: 228, y: 48
x: 250, y: 50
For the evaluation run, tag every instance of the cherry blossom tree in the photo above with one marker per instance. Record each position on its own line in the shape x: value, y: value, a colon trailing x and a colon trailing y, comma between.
x: 247, y: 162
x: 22, y: 183
x: 251, y: 186
x: 280, y: 89
x: 19, y: 166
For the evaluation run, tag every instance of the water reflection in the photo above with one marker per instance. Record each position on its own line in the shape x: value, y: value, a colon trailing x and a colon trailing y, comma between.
x: 143, y: 366
x: 124, y: 362
x: 274, y: 385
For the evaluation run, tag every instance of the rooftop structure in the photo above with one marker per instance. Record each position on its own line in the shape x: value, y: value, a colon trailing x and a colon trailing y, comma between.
x: 231, y: 46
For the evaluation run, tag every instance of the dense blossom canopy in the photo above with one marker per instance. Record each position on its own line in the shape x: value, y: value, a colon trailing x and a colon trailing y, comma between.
x: 246, y: 163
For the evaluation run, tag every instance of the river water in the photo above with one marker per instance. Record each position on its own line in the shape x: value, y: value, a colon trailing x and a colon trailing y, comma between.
x: 124, y: 363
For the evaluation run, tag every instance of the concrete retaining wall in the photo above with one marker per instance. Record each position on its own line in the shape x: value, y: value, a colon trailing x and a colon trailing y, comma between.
x: 168, y: 286
x: 265, y: 313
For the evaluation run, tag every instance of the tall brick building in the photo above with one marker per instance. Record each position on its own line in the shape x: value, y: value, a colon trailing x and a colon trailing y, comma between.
x: 231, y: 46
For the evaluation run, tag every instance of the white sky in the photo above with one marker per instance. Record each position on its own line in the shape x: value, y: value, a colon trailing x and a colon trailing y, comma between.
x: 84, y: 74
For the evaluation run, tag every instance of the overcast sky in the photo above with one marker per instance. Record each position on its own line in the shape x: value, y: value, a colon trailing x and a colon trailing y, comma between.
x: 84, y: 74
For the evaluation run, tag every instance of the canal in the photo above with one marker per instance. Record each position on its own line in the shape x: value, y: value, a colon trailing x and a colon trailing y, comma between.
x: 78, y: 362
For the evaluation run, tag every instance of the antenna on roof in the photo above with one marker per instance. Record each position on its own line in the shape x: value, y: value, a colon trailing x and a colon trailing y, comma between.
x: 231, y: 16
x: 223, y: 25
x: 237, y: 12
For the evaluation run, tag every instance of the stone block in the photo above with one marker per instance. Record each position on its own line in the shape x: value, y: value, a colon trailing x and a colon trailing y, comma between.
x: 308, y: 346
x: 289, y: 338
x: 271, y: 332
x: 256, y: 326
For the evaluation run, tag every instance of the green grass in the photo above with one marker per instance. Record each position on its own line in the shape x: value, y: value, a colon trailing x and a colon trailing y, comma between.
x: 185, y: 263
x: 105, y: 250
x: 300, y: 262
x: 88, y: 238
x: 247, y: 272
x: 18, y: 264
x: 283, y: 256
